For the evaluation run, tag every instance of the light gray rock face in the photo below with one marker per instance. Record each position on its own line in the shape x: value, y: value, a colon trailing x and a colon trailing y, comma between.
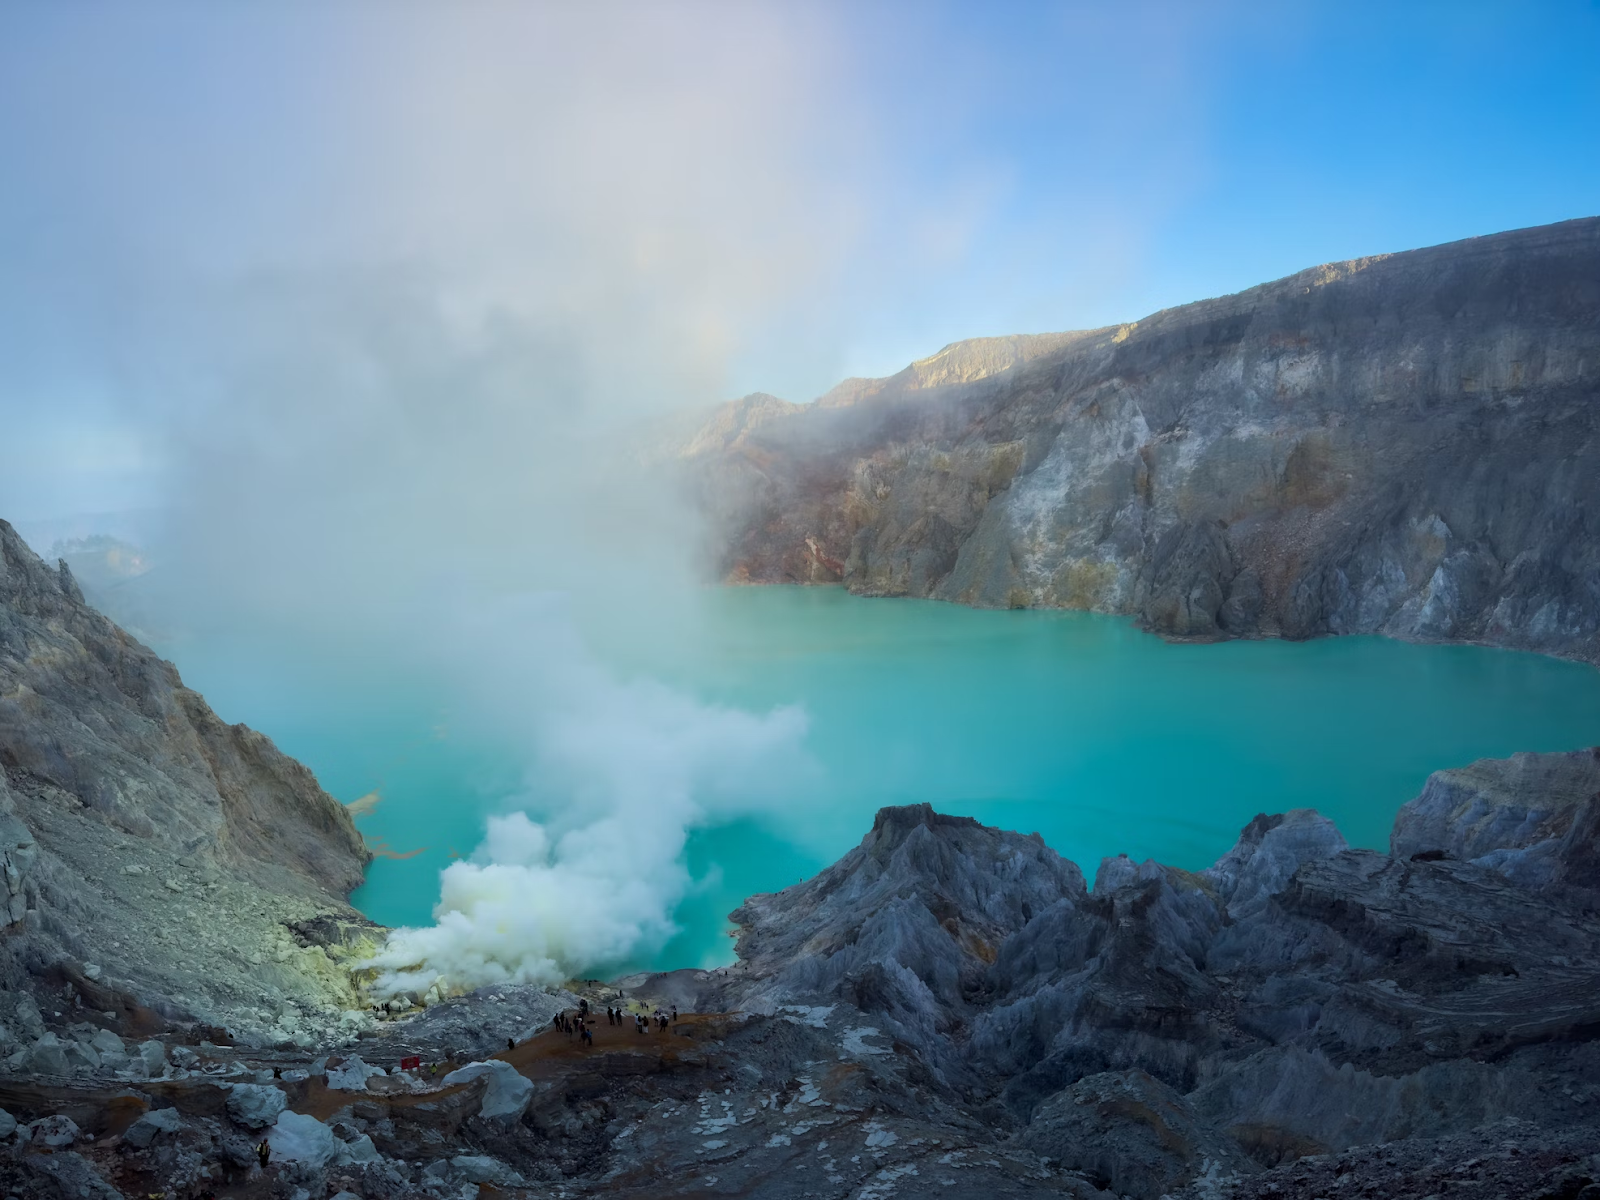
x: 48, y: 1056
x: 255, y: 1105
x: 352, y: 1074
x: 507, y: 1095
x: 1405, y: 444
x: 1533, y: 817
x: 1169, y: 1029
x: 162, y: 859
x: 1270, y: 850
x: 297, y: 1137
x: 905, y: 927
x: 152, y: 1125
x: 54, y: 1131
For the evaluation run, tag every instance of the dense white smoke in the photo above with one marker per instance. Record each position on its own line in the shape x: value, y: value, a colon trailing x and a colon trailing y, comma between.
x: 637, y: 765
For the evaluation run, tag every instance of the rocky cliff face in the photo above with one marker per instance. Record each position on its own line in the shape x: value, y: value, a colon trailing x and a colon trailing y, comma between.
x: 949, y: 1011
x: 1404, y: 444
x: 158, y: 862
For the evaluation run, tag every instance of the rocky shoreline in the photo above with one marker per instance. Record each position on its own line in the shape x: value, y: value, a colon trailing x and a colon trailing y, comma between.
x: 1407, y: 444
x: 950, y: 1009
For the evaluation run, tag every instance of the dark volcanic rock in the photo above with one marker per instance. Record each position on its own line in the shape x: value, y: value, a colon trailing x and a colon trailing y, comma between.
x: 1404, y: 444
x: 1533, y: 817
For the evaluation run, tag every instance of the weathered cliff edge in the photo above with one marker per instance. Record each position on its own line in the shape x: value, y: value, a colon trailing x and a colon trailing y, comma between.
x: 1404, y: 444
x: 159, y: 864
x: 949, y: 1010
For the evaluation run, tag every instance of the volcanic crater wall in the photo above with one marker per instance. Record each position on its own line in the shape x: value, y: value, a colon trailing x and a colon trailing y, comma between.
x: 1404, y: 444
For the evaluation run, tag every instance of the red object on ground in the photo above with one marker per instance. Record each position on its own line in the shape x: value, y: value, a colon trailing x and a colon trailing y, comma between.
x: 410, y: 1064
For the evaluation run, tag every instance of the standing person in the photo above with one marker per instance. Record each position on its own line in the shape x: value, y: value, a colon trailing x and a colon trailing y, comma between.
x: 674, y: 1014
x: 264, y: 1152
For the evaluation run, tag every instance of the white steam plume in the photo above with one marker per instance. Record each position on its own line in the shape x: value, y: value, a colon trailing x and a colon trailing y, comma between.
x: 637, y: 765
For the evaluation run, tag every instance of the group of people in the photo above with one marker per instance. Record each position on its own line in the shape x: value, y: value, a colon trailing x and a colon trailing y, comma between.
x: 577, y: 1024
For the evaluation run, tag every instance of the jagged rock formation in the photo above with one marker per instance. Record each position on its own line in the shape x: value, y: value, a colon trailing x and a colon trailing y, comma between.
x: 1405, y: 444
x: 158, y: 863
x: 948, y: 1010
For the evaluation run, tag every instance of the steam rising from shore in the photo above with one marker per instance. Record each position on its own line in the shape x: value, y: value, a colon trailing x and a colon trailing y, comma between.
x: 596, y: 884
x: 372, y: 321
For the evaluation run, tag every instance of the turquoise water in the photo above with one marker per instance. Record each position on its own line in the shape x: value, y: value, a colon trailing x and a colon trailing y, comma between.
x: 1097, y: 736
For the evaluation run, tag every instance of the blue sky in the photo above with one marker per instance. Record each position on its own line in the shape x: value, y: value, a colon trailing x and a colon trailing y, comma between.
x: 220, y: 219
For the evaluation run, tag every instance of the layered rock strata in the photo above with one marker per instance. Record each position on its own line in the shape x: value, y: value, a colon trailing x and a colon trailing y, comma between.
x: 949, y: 1010
x: 159, y: 863
x: 1404, y: 444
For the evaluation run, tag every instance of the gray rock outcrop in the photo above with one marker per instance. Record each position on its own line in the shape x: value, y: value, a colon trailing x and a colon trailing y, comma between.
x: 255, y: 1105
x: 156, y: 862
x: 1533, y: 817
x: 1407, y: 444
x: 1297, y: 998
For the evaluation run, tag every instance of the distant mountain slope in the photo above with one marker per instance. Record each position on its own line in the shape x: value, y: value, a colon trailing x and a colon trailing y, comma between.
x: 1404, y: 444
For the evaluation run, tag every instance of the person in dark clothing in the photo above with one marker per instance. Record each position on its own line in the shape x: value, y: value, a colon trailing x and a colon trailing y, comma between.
x: 556, y: 1021
x: 511, y: 1043
x: 264, y: 1152
x: 674, y: 1014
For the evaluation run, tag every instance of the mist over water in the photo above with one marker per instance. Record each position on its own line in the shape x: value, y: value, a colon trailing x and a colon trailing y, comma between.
x: 1103, y: 739
x: 367, y: 311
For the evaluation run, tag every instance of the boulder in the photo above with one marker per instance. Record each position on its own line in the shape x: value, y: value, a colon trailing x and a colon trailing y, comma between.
x: 48, y: 1056
x: 8, y: 1124
x: 255, y: 1105
x: 157, y: 1121
x: 80, y: 1056
x: 296, y: 1137
x: 508, y: 1092
x: 154, y: 1056
x: 352, y: 1074
x: 52, y: 1131
x: 356, y: 1151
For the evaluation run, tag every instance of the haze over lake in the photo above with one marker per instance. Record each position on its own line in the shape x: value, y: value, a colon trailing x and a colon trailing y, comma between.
x: 1101, y: 738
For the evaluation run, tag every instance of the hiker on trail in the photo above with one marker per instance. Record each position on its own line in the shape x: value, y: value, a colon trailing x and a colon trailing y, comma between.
x: 583, y: 1006
x: 588, y: 1036
x: 511, y: 1043
x: 264, y: 1152
x: 556, y: 1020
x: 674, y: 1014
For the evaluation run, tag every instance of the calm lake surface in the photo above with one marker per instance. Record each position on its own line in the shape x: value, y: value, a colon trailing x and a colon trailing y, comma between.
x: 1101, y: 738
